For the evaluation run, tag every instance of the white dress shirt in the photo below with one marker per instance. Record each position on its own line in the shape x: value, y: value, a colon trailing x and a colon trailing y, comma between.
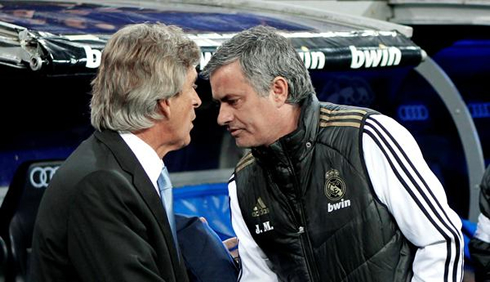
x: 148, y: 158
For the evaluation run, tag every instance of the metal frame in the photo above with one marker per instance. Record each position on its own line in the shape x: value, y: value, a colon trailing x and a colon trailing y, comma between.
x: 451, y: 97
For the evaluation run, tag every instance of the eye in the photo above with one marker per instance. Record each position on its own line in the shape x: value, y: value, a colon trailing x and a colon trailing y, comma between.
x: 233, y: 102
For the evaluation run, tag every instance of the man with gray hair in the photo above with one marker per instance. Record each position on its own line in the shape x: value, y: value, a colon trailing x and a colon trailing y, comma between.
x: 106, y: 215
x: 328, y: 192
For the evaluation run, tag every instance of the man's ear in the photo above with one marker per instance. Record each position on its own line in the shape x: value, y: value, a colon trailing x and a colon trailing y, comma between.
x: 164, y: 106
x: 280, y: 90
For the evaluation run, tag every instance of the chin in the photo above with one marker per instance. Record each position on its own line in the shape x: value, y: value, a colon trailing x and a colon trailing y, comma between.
x: 243, y: 144
x: 187, y: 141
x: 183, y: 143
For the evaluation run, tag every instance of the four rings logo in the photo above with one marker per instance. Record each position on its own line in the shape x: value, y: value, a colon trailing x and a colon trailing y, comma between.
x: 413, y: 112
x: 40, y: 176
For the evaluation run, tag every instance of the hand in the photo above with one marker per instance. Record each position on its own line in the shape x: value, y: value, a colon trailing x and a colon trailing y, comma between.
x: 232, y: 246
x: 230, y: 243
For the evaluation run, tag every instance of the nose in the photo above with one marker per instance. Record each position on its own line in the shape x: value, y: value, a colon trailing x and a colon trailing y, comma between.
x: 196, y: 101
x: 225, y: 115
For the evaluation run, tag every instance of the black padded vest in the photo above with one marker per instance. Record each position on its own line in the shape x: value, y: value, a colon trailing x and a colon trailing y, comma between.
x: 309, y: 204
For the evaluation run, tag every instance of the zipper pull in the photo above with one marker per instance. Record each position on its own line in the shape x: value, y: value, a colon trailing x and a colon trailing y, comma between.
x: 301, y: 230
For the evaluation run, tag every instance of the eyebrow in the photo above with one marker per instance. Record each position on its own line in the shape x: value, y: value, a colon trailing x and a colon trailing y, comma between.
x: 225, y: 98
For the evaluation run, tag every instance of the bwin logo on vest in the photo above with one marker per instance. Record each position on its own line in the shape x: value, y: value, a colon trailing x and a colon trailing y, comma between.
x: 337, y: 206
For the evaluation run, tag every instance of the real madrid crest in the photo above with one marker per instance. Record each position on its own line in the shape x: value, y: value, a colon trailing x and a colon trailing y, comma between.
x: 334, y: 185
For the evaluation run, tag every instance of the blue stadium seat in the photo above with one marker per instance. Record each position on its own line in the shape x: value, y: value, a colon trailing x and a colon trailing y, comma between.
x: 210, y: 201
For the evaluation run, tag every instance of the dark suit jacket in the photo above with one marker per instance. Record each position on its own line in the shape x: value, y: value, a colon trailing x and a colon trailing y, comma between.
x: 101, y: 219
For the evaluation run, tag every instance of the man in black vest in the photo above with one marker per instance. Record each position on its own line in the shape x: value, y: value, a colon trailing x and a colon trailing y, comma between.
x: 328, y: 192
x: 480, y: 243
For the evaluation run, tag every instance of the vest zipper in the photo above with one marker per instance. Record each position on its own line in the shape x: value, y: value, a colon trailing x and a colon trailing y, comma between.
x: 308, y: 250
x: 304, y: 237
x: 305, y: 245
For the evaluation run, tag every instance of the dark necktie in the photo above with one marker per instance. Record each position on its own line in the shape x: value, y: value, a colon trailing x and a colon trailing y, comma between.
x: 165, y: 187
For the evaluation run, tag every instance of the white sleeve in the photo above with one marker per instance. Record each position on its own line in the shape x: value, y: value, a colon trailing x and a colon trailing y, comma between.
x: 483, y: 228
x: 255, y: 265
x: 403, y: 181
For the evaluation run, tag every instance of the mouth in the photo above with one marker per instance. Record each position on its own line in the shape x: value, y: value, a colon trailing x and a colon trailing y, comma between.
x: 234, y: 131
x: 192, y: 122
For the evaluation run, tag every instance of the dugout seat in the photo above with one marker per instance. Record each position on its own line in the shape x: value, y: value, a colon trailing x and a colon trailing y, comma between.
x: 18, y: 214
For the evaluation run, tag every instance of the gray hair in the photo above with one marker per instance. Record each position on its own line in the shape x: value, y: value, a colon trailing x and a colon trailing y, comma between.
x: 264, y: 55
x: 141, y: 64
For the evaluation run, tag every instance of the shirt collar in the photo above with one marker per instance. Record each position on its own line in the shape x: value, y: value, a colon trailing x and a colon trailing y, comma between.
x: 148, y: 158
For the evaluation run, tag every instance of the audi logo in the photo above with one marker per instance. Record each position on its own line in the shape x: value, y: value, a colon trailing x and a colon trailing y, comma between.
x: 479, y: 110
x: 40, y: 176
x: 413, y: 112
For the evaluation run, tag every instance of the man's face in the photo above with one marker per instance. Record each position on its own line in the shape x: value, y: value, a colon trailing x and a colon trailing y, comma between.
x: 249, y: 118
x: 183, y: 110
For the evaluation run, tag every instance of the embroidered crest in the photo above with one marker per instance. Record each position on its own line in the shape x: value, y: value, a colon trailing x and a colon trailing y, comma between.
x: 334, y: 185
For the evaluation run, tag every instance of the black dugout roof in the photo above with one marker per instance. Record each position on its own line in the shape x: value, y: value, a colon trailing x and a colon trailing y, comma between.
x: 62, y: 38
